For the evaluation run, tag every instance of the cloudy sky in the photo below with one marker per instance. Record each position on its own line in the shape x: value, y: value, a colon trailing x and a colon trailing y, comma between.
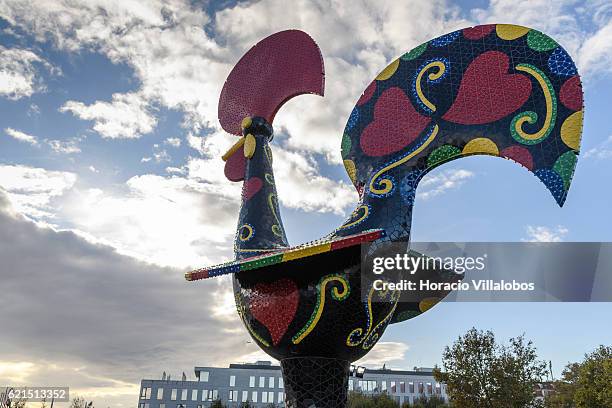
x: 111, y: 183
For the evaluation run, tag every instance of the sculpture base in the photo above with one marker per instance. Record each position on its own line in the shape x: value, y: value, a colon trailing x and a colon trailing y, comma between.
x: 315, y: 382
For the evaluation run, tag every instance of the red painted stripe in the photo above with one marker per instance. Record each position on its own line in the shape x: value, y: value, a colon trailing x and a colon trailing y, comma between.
x: 355, y: 240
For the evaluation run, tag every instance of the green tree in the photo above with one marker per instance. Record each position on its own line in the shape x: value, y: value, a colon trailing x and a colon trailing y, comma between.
x: 359, y: 400
x: 587, y: 384
x: 480, y: 373
x: 433, y: 401
x: 565, y: 389
x: 595, y: 379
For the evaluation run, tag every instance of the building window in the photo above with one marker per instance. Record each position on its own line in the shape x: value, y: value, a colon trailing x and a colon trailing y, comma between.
x: 411, y: 387
x: 402, y: 387
x: 264, y: 397
x: 271, y: 397
x: 254, y: 396
x: 245, y: 396
x: 350, y: 385
x: 383, y: 386
x: 281, y: 384
x: 232, y: 380
x: 215, y: 395
x: 429, y: 388
x: 204, y: 395
x: 160, y: 393
x: 393, y: 389
x: 173, y: 395
x: 281, y: 397
x: 184, y: 394
x: 143, y: 405
x: 194, y: 395
x: 204, y: 376
x: 252, y: 381
x: 438, y: 389
x: 271, y: 382
x: 233, y: 396
x: 420, y: 388
x: 145, y: 393
x: 162, y: 405
x: 262, y: 382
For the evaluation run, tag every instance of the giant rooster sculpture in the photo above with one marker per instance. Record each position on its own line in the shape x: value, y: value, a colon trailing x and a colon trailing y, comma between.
x: 498, y: 90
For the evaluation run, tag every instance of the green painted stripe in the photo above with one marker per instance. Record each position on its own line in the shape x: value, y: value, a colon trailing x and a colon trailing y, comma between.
x: 261, y: 262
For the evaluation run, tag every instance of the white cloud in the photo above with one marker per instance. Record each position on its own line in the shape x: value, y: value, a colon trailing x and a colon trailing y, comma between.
x: 383, y: 353
x: 298, y: 178
x: 176, y: 170
x: 173, y: 141
x: 18, y: 73
x: 31, y: 190
x: 65, y: 146
x: 21, y: 136
x: 301, y: 186
x: 595, y: 54
x: 165, y: 220
x: 180, y: 67
x: 438, y: 183
x: 124, y: 312
x: 545, y: 234
x: 16, y: 370
x: 602, y: 151
x: 59, y: 146
x: 127, y: 116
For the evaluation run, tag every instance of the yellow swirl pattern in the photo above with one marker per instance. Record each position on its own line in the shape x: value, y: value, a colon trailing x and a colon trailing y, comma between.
x: 516, y: 127
x: 276, y: 229
x: 366, y: 212
x: 249, y: 230
x: 372, y: 338
x: 369, y: 338
x: 387, y: 183
x: 318, y: 312
x: 359, y: 332
x: 432, y: 77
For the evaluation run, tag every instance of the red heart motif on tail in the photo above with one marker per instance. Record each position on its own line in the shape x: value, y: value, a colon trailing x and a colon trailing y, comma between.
x: 251, y: 187
x: 478, y: 32
x: 274, y: 305
x: 519, y: 154
x: 487, y: 92
x: 396, y: 124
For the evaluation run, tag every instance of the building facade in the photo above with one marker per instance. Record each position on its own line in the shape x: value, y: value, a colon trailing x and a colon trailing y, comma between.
x: 261, y: 384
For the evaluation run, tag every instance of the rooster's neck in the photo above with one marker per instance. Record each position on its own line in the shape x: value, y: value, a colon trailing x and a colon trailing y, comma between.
x: 260, y: 227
